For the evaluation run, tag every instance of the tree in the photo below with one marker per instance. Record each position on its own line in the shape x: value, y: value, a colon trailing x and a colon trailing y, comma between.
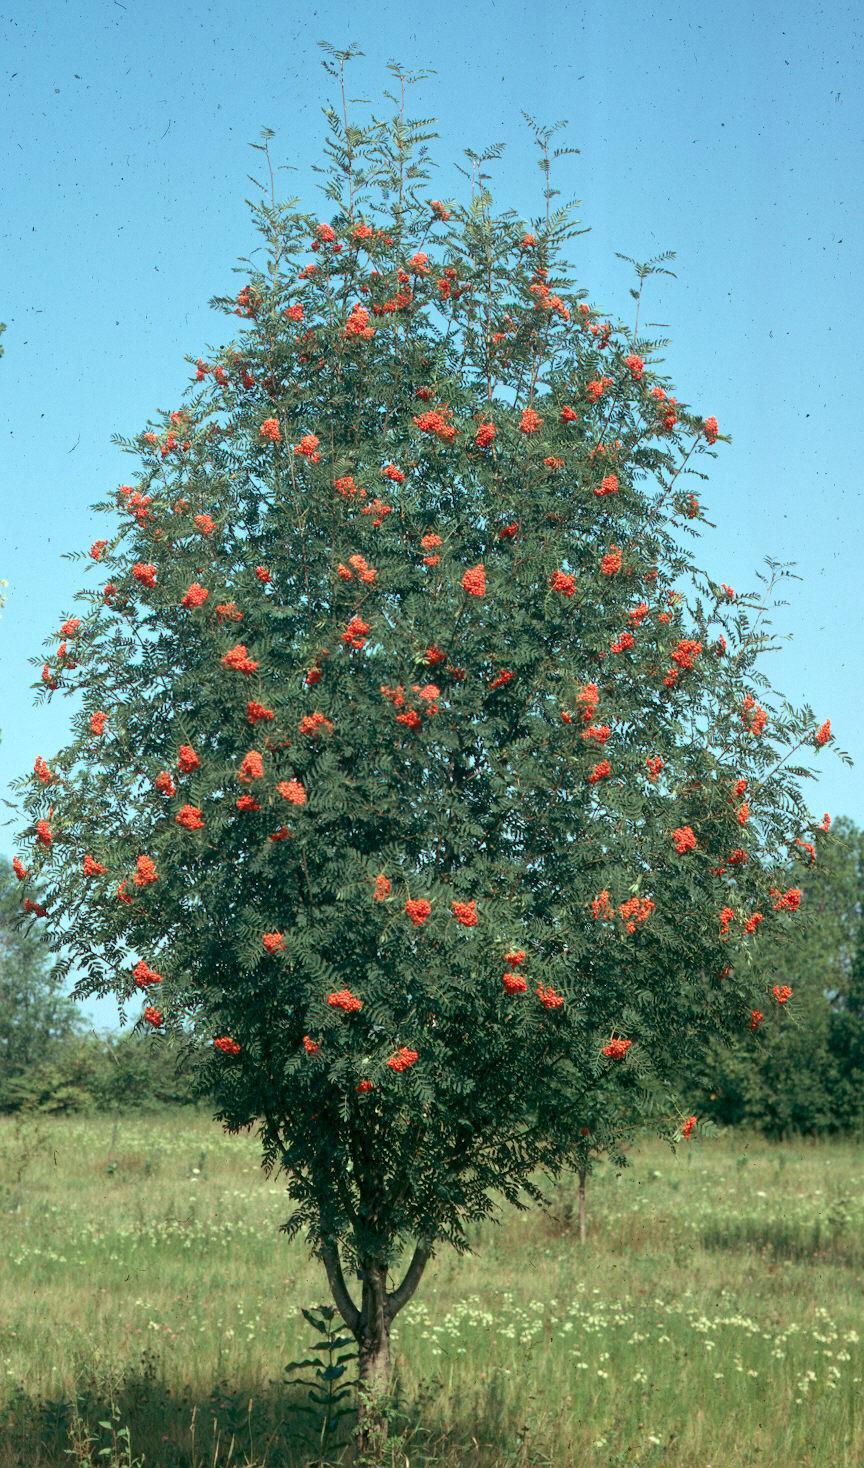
x: 411, y: 745
x: 846, y: 1026
x: 798, y: 1072
x: 35, y: 1014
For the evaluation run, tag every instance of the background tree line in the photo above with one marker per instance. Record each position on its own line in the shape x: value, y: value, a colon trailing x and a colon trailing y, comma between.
x: 50, y: 1059
x: 801, y: 1071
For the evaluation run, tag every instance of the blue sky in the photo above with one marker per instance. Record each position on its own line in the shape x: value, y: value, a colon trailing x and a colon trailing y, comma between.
x: 731, y: 134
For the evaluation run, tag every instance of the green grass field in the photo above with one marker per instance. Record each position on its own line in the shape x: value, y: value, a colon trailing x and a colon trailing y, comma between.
x: 713, y: 1318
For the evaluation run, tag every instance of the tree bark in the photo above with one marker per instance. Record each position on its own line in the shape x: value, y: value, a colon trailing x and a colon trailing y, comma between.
x: 338, y: 1288
x: 373, y: 1351
x: 583, y: 1173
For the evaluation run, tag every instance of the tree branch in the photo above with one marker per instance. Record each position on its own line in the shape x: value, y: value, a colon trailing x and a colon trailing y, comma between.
x: 414, y: 1273
x: 338, y: 1288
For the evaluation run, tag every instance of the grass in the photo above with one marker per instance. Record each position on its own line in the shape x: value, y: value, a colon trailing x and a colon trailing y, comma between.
x: 712, y: 1319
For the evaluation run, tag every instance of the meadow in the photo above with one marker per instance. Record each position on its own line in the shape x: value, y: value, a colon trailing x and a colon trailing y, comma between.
x: 149, y: 1304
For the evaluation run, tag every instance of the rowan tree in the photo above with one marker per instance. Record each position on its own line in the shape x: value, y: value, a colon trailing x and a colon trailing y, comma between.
x: 418, y: 775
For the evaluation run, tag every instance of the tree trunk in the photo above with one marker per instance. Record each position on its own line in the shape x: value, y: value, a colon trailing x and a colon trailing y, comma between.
x: 373, y: 1350
x: 370, y: 1327
x: 583, y: 1173
x: 373, y: 1389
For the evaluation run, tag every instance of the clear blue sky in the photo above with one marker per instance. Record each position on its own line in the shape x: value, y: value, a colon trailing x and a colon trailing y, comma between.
x: 731, y: 134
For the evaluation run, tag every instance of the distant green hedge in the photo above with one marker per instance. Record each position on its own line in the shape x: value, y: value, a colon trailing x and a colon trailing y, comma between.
x: 99, y: 1073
